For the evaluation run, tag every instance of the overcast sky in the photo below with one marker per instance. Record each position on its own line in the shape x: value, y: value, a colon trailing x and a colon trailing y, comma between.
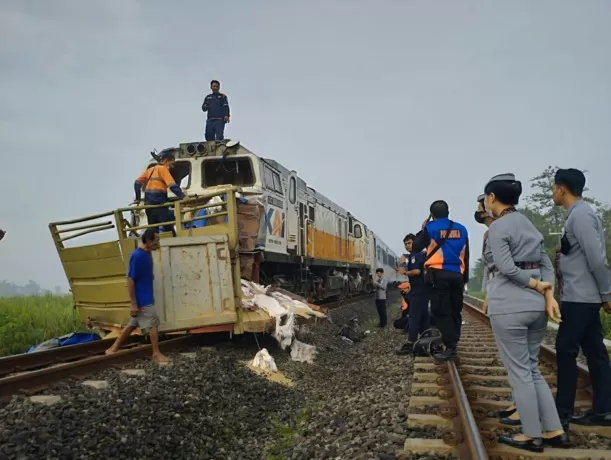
x: 382, y: 106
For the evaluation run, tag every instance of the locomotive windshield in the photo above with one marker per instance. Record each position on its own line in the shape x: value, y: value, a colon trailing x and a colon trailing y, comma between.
x: 221, y: 171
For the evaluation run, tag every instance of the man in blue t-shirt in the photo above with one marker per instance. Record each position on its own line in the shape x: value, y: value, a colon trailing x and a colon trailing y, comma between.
x: 140, y: 288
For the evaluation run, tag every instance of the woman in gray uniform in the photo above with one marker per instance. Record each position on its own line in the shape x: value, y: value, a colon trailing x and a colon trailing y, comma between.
x: 510, y: 415
x: 520, y: 297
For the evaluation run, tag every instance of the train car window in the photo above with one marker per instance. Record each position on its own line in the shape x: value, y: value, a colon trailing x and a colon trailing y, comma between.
x: 357, y: 231
x: 234, y: 171
x: 349, y: 224
x: 293, y: 190
x: 311, y: 211
x: 379, y: 253
x: 277, y: 183
x: 268, y: 178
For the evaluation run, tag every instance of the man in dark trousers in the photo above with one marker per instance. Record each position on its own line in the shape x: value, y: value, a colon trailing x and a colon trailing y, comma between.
x: 156, y: 181
x: 217, y: 106
x: 586, y: 287
x: 446, y: 273
x: 417, y: 298
x: 380, y: 285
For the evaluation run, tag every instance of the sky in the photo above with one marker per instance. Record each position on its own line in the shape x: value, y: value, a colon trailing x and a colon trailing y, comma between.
x: 381, y: 106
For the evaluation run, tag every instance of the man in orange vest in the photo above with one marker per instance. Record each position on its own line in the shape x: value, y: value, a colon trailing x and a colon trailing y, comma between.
x: 156, y: 181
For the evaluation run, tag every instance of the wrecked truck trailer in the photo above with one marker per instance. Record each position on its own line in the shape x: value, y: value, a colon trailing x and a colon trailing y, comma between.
x: 198, y: 272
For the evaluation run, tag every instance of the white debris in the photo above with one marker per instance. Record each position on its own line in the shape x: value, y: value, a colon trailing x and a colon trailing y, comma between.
x: 284, y: 309
x: 302, y: 352
x: 263, y: 360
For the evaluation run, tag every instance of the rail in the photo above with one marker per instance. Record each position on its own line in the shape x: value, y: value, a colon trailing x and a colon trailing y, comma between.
x: 36, y: 380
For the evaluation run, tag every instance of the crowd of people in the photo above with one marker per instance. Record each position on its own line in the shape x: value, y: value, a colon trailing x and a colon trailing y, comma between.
x: 519, y: 280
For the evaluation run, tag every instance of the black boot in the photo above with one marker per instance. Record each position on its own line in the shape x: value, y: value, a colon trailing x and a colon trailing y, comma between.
x: 451, y: 354
x: 561, y: 441
x: 589, y: 418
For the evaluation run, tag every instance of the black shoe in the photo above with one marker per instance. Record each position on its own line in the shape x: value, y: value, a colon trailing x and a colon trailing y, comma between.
x: 510, y: 421
x: 561, y: 441
x: 532, y: 445
x: 565, y: 424
x: 589, y: 418
x: 449, y: 355
x: 507, y: 413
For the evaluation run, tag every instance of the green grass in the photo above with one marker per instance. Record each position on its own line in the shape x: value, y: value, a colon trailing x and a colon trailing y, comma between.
x: 27, y: 321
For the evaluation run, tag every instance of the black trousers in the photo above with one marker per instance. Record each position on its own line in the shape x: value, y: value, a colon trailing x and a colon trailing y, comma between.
x: 418, y: 314
x: 159, y: 215
x: 581, y: 327
x: 447, y: 293
x: 381, y: 307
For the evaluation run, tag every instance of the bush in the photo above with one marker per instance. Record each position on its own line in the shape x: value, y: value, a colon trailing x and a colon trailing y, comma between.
x: 27, y: 321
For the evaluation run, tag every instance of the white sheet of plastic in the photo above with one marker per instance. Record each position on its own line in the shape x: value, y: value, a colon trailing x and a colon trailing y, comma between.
x: 283, y: 308
x: 302, y: 352
x: 285, y: 329
x: 263, y: 360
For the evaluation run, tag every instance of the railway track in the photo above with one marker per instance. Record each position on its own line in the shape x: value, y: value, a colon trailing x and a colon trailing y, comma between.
x: 33, y: 372
x: 461, y: 400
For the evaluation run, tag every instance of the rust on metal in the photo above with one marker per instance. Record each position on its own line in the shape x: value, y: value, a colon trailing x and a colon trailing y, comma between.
x: 31, y: 380
x: 474, y: 444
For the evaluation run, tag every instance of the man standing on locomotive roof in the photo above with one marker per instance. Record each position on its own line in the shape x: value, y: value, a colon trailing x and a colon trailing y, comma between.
x: 446, y: 273
x: 586, y: 287
x: 140, y: 289
x: 217, y: 106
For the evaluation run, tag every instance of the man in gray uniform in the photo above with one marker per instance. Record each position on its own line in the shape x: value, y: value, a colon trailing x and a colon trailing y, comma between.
x: 586, y: 287
x: 380, y: 286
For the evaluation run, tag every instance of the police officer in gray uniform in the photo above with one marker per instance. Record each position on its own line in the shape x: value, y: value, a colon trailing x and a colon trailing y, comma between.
x: 587, y: 286
x: 519, y: 293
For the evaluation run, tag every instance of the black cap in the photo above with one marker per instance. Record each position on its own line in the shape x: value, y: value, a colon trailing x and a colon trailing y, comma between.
x: 167, y: 154
x: 573, y: 179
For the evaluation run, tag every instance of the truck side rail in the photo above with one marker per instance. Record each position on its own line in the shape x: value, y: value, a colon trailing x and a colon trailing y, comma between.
x: 97, y: 272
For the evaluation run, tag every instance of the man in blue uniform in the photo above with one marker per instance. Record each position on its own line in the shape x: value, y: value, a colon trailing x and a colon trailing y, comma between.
x: 217, y: 106
x: 586, y: 287
x: 446, y: 273
x: 417, y: 298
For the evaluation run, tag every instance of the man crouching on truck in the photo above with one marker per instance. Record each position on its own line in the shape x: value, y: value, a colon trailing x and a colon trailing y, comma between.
x: 140, y: 288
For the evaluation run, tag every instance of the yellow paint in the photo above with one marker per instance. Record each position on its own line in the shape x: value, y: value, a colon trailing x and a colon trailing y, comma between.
x: 277, y: 377
x: 322, y: 245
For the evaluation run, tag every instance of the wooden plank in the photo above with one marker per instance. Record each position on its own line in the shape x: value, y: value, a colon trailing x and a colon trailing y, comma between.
x: 420, y: 420
x: 89, y: 252
x: 96, y: 268
x: 112, y: 290
x: 426, y: 446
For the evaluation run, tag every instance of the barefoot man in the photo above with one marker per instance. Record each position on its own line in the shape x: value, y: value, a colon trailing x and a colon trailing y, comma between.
x: 140, y: 288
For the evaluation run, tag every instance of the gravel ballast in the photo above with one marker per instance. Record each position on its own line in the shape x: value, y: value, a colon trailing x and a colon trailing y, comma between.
x: 349, y: 404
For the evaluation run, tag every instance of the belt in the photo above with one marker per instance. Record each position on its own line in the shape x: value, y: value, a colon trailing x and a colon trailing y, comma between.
x: 523, y: 265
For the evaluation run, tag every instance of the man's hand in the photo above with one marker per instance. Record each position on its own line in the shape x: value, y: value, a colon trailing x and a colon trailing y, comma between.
x: 133, y: 311
x: 607, y: 307
x: 227, y: 119
x: 402, y: 270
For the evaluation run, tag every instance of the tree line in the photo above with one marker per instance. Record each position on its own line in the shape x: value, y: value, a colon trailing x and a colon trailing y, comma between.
x: 548, y: 219
x: 8, y: 289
